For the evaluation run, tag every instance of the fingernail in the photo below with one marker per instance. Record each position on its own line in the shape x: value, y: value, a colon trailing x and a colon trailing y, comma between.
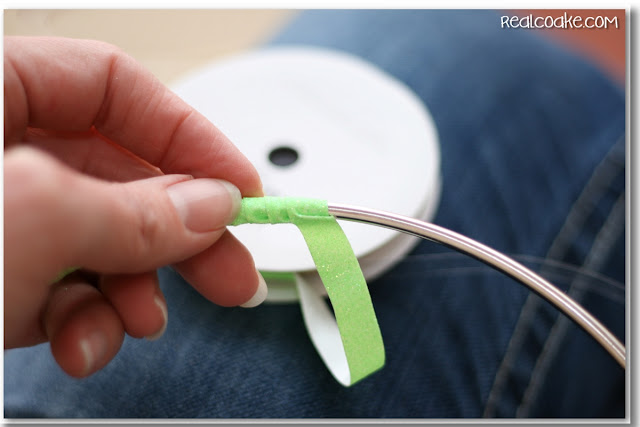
x: 205, y: 204
x: 259, y: 296
x: 165, y: 315
x: 94, y: 348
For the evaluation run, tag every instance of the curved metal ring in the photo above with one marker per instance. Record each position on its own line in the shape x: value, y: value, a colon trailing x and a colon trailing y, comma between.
x: 495, y: 260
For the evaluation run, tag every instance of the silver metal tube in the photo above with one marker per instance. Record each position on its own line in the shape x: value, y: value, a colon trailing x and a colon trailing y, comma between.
x: 495, y: 260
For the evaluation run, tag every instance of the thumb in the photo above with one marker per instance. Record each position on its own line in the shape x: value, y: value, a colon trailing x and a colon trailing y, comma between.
x: 59, y: 218
x: 56, y: 218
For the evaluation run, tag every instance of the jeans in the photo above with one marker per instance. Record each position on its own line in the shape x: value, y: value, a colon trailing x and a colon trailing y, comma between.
x: 533, y: 165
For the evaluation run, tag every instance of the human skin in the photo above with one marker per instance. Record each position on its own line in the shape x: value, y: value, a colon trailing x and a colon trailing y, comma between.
x: 107, y: 170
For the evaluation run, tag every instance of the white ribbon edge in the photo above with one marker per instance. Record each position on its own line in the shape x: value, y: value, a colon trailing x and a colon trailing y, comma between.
x: 323, y: 331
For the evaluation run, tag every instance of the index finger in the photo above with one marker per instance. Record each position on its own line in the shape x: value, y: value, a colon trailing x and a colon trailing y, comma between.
x: 67, y: 84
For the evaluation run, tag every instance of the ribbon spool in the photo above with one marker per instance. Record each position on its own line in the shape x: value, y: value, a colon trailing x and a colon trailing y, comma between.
x: 322, y: 124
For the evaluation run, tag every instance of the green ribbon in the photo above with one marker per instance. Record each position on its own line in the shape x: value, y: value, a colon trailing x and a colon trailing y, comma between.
x: 338, y: 268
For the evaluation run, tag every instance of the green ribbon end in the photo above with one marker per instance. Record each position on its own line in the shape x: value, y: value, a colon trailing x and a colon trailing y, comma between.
x: 338, y: 268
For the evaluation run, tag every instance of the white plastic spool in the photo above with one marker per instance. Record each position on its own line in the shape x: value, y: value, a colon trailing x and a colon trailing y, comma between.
x: 361, y: 138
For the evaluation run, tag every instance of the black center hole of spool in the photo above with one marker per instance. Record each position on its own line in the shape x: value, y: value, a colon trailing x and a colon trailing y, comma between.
x: 283, y: 156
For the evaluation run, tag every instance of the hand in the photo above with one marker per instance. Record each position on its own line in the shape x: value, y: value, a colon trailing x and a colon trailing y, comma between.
x: 107, y: 170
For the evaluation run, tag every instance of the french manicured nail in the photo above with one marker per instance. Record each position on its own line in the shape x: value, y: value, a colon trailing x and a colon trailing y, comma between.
x: 205, y: 204
x: 259, y: 296
x: 165, y: 315
x: 94, y: 348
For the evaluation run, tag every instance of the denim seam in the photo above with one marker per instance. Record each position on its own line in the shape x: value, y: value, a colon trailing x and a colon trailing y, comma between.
x: 515, y: 343
x: 578, y: 214
x: 606, y: 237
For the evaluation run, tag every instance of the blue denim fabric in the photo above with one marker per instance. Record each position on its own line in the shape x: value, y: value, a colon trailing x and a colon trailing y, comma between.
x: 533, y: 159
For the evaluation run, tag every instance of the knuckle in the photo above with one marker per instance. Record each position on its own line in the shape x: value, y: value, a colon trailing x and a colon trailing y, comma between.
x: 108, y: 50
x: 151, y: 228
